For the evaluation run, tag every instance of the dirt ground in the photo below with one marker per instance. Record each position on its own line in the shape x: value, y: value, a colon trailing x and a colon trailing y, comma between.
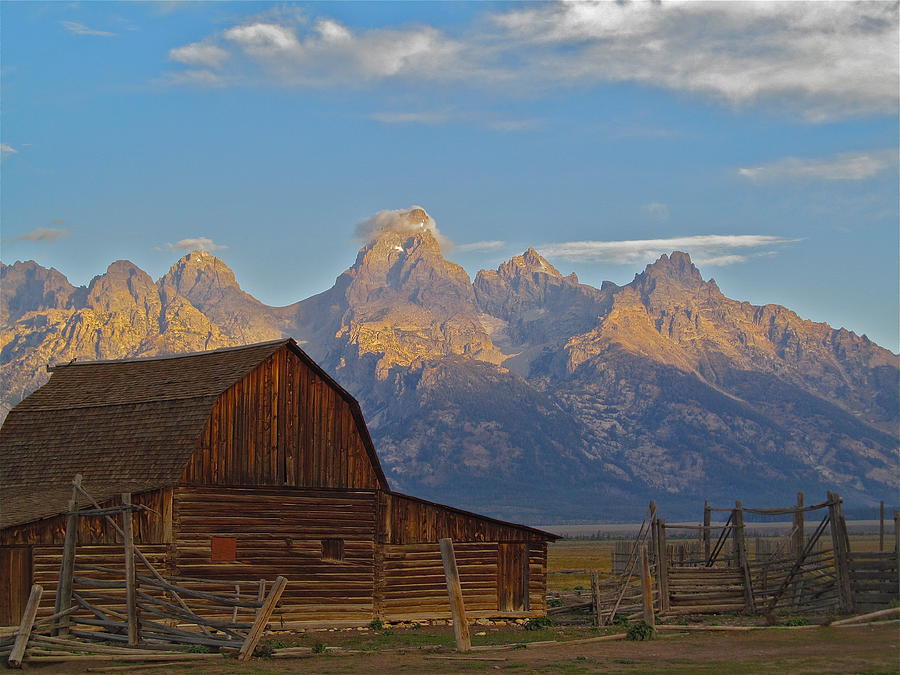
x: 868, y: 649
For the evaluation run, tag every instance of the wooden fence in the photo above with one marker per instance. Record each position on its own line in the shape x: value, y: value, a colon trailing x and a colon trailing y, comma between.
x: 716, y: 571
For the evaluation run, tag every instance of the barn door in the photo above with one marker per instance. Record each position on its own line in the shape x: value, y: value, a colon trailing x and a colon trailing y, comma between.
x: 15, y: 584
x: 512, y: 577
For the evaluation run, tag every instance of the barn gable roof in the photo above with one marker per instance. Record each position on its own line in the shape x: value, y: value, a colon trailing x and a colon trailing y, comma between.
x: 127, y: 426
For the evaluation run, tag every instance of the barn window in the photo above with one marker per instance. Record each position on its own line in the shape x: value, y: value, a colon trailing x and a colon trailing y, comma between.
x: 332, y: 549
x: 223, y: 549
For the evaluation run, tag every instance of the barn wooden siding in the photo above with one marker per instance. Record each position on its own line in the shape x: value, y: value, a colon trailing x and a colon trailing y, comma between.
x: 283, y: 424
x: 153, y: 526
x: 414, y: 521
x: 415, y: 587
x: 281, y: 532
x: 43, y: 563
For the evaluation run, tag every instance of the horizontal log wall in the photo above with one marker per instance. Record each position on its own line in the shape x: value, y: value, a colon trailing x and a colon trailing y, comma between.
x: 415, y: 521
x: 415, y: 587
x: 153, y: 526
x: 46, y: 564
x: 282, y: 424
x: 280, y: 532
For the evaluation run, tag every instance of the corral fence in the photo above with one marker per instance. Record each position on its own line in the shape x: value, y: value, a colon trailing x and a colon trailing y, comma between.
x: 719, y: 569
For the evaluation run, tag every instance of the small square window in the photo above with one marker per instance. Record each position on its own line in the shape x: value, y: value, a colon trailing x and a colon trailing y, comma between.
x: 222, y: 549
x: 332, y: 549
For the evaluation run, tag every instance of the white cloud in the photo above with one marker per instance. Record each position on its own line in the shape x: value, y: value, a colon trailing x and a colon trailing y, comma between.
x: 199, y: 54
x: 825, y: 59
x: 194, y: 244
x: 478, y: 246
x: 411, y: 220
x: 844, y: 166
x: 196, y: 77
x: 43, y: 234
x: 656, y: 210
x: 7, y: 150
x: 709, y: 249
x: 829, y: 58
x: 81, y: 29
x: 427, y: 118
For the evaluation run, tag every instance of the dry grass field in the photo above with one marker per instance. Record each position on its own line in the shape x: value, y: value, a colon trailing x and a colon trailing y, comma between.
x: 870, y: 649
x: 585, y: 554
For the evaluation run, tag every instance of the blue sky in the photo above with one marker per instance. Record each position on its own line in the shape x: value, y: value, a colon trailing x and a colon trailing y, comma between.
x: 762, y: 138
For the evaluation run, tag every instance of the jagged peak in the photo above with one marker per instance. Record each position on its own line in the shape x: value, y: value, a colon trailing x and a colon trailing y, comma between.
x: 677, y: 265
x: 201, y: 263
x: 530, y: 261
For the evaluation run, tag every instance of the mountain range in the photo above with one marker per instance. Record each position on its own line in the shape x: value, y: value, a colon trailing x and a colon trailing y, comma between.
x: 524, y: 393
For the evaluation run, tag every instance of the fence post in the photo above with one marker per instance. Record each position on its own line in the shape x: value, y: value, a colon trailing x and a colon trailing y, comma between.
x: 799, y: 537
x: 263, y: 615
x: 662, y: 566
x: 595, y: 598
x: 707, y: 520
x: 17, y: 653
x: 841, y: 544
x: 654, y: 547
x: 646, y: 587
x: 454, y: 590
x: 742, y: 561
x: 67, y: 565
x: 881, y: 526
x: 134, y: 635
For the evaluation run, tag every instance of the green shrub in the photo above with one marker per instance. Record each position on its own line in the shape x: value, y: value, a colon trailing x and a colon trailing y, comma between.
x: 640, y: 631
x: 319, y: 648
x: 376, y: 624
x: 621, y: 620
x: 538, y: 623
x: 554, y: 602
x: 796, y: 621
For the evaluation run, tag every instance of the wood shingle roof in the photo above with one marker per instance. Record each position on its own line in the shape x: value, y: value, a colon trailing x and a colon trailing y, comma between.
x: 126, y: 426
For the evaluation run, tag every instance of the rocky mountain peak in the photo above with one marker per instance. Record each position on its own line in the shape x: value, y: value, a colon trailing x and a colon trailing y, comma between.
x: 529, y: 262
x: 29, y: 287
x: 196, y: 274
x: 677, y: 266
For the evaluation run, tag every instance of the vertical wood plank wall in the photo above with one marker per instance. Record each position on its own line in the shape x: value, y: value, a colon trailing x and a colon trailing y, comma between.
x: 150, y: 527
x: 280, y: 532
x: 282, y: 424
x: 15, y: 583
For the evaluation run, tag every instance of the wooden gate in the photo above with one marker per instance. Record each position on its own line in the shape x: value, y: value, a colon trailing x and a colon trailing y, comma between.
x: 705, y: 589
x: 15, y: 583
x: 874, y: 580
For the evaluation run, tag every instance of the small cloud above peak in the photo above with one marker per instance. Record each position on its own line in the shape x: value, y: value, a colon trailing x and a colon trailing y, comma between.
x: 411, y: 220
x: 7, y: 150
x: 81, y: 29
x: 45, y: 234
x: 200, y: 245
x: 706, y: 249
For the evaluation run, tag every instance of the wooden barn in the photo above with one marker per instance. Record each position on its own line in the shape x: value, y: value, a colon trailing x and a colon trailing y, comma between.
x: 253, y: 463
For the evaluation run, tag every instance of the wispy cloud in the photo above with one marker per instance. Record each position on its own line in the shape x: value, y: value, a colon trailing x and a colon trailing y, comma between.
x: 826, y: 59
x: 194, y: 244
x: 43, y: 234
x: 7, y: 150
x: 427, y: 118
x: 656, y: 210
x: 844, y: 166
x: 708, y: 249
x: 81, y: 29
x: 199, y: 54
x: 478, y: 246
